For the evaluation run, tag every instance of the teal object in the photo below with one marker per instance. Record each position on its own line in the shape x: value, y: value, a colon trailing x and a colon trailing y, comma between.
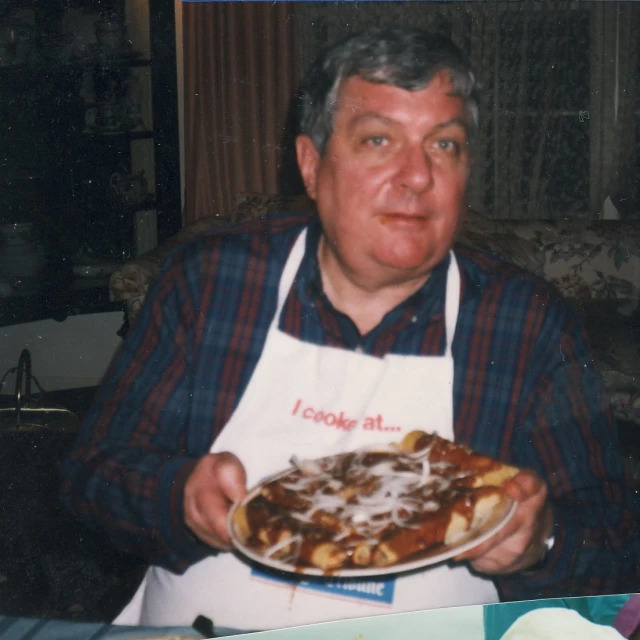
x: 12, y: 628
x: 597, y: 609
x: 454, y: 623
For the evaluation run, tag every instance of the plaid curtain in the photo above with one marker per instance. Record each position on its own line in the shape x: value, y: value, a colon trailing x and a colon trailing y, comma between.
x: 240, y: 73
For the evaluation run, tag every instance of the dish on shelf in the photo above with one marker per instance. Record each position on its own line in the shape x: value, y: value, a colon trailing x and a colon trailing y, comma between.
x: 94, y: 271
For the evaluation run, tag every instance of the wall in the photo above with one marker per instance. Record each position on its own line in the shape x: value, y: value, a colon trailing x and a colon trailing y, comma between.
x: 64, y: 355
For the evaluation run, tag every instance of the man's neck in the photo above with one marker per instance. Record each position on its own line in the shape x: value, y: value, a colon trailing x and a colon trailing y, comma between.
x: 365, y: 302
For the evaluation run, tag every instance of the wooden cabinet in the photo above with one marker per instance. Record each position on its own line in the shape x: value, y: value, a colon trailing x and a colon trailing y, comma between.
x: 89, y: 150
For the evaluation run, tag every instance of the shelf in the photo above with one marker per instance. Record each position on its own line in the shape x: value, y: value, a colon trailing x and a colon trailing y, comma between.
x: 57, y: 305
x: 58, y: 170
x: 144, y: 205
x: 131, y: 135
x: 59, y: 66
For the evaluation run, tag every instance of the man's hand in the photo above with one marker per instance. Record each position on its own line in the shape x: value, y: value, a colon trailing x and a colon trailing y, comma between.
x: 217, y: 481
x: 520, y: 544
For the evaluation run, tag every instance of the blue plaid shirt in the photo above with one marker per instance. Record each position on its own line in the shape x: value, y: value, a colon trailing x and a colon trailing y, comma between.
x: 525, y: 391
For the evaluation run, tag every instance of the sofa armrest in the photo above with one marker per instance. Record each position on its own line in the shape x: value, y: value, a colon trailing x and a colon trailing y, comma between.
x: 130, y: 282
x: 498, y: 237
x: 587, y: 259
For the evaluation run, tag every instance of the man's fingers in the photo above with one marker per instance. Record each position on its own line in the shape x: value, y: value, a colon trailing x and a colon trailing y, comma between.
x: 489, y: 544
x: 231, y: 477
x: 507, y: 531
x: 530, y: 492
x: 217, y: 481
x: 523, y: 486
x: 211, y: 513
x: 197, y: 522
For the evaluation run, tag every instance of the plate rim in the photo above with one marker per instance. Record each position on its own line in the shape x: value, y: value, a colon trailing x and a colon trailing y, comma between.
x: 507, y: 507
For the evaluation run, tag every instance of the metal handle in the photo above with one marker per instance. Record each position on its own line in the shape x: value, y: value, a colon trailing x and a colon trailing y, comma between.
x: 24, y: 370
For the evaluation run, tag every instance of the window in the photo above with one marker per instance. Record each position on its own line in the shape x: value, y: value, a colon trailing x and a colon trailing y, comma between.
x: 557, y: 127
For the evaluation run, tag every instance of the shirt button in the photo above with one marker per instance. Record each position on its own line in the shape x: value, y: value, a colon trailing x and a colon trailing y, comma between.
x: 414, y: 319
x: 359, y: 349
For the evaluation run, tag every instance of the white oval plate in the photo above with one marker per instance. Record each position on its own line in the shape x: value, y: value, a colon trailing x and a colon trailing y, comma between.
x: 498, y: 518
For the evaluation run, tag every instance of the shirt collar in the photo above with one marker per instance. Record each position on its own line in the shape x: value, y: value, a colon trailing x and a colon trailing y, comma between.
x: 427, y: 302
x: 309, y: 282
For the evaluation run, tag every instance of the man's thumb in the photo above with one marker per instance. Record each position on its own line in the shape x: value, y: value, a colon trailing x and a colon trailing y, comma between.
x: 232, y: 479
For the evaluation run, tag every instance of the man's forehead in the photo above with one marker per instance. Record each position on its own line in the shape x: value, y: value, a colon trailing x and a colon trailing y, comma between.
x: 360, y: 101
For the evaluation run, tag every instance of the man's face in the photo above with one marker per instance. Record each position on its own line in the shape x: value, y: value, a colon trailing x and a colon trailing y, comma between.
x: 390, y: 188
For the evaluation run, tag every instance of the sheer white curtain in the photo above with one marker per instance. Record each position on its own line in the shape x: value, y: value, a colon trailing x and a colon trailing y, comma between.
x: 557, y: 100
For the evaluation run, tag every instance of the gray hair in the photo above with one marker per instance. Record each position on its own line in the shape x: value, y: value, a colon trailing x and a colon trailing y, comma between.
x: 404, y: 58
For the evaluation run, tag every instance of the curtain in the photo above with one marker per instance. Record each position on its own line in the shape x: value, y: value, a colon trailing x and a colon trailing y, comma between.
x: 240, y: 74
x: 620, y: 133
x: 558, y: 94
x: 541, y: 140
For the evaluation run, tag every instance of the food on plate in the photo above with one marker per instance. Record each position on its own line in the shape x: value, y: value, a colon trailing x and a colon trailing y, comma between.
x: 375, y: 507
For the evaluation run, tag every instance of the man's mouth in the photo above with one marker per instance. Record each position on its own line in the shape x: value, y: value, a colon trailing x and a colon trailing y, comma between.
x: 403, y: 218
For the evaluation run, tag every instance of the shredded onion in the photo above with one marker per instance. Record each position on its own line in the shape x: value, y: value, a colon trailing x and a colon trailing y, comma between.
x: 388, y: 492
x: 295, y: 539
x: 307, y: 467
x: 426, y: 472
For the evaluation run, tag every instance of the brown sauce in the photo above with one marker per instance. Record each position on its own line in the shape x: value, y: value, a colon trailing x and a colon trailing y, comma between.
x: 271, y: 514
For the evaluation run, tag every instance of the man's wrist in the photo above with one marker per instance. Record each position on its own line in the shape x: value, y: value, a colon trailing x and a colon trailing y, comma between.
x: 550, y: 537
x: 548, y: 544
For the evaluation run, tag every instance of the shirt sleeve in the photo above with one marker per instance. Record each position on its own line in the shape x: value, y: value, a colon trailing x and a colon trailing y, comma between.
x: 127, y: 471
x: 567, y: 434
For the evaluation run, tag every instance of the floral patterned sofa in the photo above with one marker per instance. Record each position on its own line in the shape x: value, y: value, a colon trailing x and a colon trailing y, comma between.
x: 596, y: 265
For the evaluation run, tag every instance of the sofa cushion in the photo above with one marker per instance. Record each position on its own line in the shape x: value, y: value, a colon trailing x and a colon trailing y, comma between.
x: 249, y: 206
x: 498, y: 238
x: 597, y: 259
x: 615, y: 341
x: 131, y: 281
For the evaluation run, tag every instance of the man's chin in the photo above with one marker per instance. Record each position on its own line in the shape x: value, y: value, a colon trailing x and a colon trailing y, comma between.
x: 406, y: 270
x: 414, y: 262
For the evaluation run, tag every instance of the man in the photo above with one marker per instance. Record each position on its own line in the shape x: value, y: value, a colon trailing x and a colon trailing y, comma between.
x: 362, y: 309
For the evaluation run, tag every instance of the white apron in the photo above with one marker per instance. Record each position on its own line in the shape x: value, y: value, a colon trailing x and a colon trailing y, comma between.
x: 313, y: 401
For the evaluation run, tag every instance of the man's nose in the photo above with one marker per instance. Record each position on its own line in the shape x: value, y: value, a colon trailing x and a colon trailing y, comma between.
x: 415, y: 171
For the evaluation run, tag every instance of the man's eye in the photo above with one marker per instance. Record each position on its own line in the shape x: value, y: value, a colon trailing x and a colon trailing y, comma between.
x: 448, y: 145
x: 375, y: 141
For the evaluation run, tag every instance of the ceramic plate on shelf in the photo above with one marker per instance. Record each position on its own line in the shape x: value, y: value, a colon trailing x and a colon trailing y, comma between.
x: 95, y: 271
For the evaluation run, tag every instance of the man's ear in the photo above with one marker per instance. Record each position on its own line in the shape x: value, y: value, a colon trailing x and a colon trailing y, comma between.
x: 308, y: 163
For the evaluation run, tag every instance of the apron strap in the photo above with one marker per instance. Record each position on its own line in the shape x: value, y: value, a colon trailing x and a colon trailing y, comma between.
x: 289, y: 274
x: 452, y: 302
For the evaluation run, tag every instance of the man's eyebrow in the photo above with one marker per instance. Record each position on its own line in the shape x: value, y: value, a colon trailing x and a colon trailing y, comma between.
x: 372, y: 115
x: 369, y: 115
x: 453, y: 122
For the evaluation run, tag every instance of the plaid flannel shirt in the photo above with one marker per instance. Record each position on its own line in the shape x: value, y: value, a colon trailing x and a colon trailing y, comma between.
x: 525, y: 391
